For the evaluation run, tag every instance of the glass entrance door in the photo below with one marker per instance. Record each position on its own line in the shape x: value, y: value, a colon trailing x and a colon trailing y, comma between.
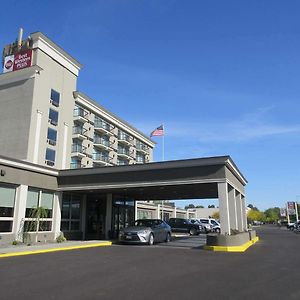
x: 122, y: 215
x: 95, y: 217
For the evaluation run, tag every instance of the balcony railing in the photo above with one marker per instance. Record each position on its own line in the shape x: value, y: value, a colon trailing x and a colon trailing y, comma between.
x: 141, y: 160
x: 77, y: 148
x: 142, y: 147
x: 125, y: 137
x: 79, y: 130
x: 122, y: 162
x: 102, y: 124
x: 124, y: 151
x: 102, y: 141
x: 102, y: 157
x: 79, y: 112
x: 76, y: 165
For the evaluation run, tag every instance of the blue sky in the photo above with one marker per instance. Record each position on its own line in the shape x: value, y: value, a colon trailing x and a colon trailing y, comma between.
x: 223, y: 76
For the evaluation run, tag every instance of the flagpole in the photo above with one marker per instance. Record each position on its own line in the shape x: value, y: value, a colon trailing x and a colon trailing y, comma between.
x: 163, y: 144
x: 163, y: 159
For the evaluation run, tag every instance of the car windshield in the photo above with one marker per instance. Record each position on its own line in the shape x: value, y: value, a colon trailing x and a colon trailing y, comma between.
x: 145, y: 223
x: 194, y: 221
x: 204, y: 221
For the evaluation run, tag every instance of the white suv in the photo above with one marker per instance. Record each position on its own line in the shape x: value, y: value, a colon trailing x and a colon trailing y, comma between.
x: 213, y: 225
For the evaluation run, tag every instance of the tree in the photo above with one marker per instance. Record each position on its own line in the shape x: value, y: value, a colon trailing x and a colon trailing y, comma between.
x: 216, y: 215
x: 34, y: 224
x: 252, y: 207
x: 272, y: 214
x: 255, y: 215
x: 189, y: 206
x: 211, y: 206
x: 199, y: 206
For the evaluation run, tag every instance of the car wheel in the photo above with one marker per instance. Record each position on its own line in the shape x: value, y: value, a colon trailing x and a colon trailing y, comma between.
x: 193, y: 231
x: 151, y: 239
x: 168, y: 237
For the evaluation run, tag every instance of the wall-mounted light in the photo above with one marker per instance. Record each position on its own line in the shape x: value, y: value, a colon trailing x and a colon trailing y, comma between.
x: 2, y: 172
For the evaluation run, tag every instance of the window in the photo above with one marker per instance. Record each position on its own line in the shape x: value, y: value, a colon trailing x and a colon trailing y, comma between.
x: 53, y: 117
x: 123, y: 150
x: 140, y: 158
x: 38, y: 214
x: 54, y: 97
x: 70, y: 213
x: 31, y: 203
x: 75, y: 163
x: 50, y: 157
x: 144, y: 214
x: 52, y: 136
x: 7, y: 204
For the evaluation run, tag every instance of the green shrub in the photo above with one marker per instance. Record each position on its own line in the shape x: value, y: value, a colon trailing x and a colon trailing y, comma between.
x: 61, y: 238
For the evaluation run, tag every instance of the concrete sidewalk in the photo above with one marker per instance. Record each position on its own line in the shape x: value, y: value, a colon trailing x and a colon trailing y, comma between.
x: 22, y: 249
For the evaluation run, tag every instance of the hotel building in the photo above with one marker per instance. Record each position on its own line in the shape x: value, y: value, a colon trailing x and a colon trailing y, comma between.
x: 62, y: 151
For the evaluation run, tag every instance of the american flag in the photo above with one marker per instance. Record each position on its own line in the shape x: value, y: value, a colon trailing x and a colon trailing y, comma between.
x: 159, y: 131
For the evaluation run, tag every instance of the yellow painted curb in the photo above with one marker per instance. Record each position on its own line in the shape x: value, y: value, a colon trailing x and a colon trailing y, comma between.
x: 241, y: 248
x: 55, y: 249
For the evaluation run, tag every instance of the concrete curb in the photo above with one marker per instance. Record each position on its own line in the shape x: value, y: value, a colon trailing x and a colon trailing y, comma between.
x: 241, y: 248
x: 67, y: 248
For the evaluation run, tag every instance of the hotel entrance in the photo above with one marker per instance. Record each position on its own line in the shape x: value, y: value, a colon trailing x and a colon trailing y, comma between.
x: 123, y: 211
x: 95, y: 217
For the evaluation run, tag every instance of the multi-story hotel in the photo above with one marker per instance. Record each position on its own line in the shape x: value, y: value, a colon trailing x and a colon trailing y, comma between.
x: 46, y: 126
x: 46, y: 121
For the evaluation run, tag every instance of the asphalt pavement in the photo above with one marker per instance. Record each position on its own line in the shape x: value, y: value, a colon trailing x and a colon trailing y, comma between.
x: 267, y: 270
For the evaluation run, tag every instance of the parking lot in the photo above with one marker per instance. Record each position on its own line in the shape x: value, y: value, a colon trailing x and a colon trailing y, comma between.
x: 268, y: 270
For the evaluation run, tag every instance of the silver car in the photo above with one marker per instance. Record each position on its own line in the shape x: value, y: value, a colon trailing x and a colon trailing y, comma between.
x: 146, y: 231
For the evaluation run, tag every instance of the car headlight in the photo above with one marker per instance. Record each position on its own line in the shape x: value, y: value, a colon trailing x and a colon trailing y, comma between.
x: 144, y: 232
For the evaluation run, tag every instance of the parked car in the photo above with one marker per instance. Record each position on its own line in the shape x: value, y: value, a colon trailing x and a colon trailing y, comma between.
x: 297, y: 227
x: 185, y: 225
x: 291, y: 225
x: 146, y: 231
x: 206, y: 227
x: 214, y: 225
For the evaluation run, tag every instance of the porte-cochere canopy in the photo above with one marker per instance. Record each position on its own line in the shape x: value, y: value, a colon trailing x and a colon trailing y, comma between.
x: 202, y: 178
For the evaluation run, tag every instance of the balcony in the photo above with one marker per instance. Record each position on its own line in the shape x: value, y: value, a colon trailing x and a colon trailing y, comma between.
x: 78, y: 150
x: 142, y: 148
x: 121, y: 162
x: 141, y: 160
x: 79, y: 132
x: 76, y: 165
x: 102, y: 143
x: 125, y: 138
x: 103, y: 127
x: 102, y: 159
x: 80, y: 115
x: 125, y: 153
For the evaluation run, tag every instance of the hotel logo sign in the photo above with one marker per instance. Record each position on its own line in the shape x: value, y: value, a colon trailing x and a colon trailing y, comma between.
x: 17, y: 61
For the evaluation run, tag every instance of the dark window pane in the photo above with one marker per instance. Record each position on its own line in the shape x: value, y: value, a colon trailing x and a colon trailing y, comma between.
x: 45, y: 226
x: 75, y: 225
x: 55, y: 97
x: 65, y: 212
x: 75, y: 209
x: 53, y: 116
x: 6, y: 226
x: 30, y: 212
x: 64, y: 226
x: 30, y: 226
x: 50, y: 155
x: 52, y: 136
x: 6, y: 211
